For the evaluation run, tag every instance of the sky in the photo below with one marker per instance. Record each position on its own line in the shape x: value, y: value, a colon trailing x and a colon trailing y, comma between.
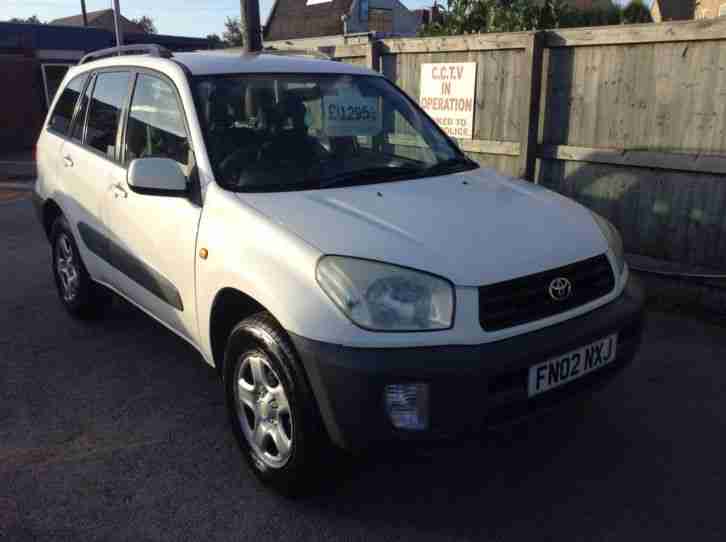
x: 185, y: 18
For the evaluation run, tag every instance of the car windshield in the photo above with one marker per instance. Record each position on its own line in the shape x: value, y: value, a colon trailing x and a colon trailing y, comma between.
x: 268, y: 133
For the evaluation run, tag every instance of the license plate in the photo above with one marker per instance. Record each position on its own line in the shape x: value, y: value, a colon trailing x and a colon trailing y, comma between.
x: 563, y: 369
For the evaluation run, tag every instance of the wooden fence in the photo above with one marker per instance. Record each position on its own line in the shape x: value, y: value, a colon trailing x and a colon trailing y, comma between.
x: 504, y: 87
x: 629, y: 120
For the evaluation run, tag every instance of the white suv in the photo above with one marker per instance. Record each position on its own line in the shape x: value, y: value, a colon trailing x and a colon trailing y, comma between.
x: 350, y: 273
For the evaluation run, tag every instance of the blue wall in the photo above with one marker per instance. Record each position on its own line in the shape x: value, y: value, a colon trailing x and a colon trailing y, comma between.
x: 19, y: 37
x: 23, y: 106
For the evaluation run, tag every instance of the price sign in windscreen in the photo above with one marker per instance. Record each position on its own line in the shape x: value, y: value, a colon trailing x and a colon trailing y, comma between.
x: 348, y: 113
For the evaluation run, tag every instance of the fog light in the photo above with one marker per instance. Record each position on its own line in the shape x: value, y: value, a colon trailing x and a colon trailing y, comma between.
x: 408, y: 406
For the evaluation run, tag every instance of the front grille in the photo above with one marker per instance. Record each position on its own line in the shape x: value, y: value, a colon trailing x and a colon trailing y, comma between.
x: 527, y: 299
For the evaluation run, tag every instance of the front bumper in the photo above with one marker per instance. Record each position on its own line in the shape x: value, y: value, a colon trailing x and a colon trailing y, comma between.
x: 470, y: 386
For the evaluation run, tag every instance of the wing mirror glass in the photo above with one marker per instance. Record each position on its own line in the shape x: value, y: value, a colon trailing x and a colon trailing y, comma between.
x: 157, y: 177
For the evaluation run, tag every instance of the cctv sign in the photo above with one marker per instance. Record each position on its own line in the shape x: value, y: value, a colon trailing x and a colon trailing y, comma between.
x: 447, y: 95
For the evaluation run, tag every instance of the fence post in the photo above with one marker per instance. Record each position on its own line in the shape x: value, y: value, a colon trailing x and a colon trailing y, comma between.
x: 373, y: 55
x: 530, y: 106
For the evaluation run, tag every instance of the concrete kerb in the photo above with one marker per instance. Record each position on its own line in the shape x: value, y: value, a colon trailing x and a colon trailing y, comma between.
x: 16, y: 170
x: 24, y: 186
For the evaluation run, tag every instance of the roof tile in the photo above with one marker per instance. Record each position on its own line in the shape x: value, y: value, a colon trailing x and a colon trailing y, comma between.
x: 291, y: 19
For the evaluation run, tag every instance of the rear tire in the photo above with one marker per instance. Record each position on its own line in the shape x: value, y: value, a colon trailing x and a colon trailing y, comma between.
x: 271, y: 408
x: 80, y: 295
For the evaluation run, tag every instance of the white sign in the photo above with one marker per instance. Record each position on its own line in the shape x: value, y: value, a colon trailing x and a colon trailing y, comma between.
x: 447, y: 95
x: 350, y: 114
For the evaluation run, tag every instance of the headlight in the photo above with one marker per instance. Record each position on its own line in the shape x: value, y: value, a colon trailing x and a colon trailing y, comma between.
x: 614, y: 240
x: 384, y: 297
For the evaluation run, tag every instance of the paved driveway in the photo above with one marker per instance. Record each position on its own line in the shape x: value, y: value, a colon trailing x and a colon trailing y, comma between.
x: 116, y: 431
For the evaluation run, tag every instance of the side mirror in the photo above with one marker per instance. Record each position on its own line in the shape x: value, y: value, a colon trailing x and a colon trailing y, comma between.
x: 157, y: 177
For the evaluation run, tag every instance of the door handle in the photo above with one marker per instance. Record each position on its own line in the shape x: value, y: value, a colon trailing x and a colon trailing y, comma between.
x: 118, y: 191
x: 68, y: 161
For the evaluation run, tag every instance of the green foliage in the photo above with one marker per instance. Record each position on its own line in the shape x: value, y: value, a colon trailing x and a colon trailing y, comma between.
x: 215, y: 42
x: 232, y: 34
x: 470, y: 16
x: 637, y: 12
x: 600, y: 16
x: 477, y: 16
x: 146, y: 23
x: 516, y: 15
x: 30, y: 20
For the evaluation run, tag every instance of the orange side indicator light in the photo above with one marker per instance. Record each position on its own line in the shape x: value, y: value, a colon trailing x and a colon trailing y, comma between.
x: 203, y: 253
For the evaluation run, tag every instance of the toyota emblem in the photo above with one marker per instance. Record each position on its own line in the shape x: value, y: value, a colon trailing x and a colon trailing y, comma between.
x: 560, y: 289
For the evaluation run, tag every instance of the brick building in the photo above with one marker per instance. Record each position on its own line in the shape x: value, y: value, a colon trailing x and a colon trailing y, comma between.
x: 100, y: 19
x: 683, y: 10
x: 300, y: 19
x: 708, y: 9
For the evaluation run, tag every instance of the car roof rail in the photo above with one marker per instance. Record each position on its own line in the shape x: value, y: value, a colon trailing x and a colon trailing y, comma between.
x: 311, y: 53
x: 151, y: 49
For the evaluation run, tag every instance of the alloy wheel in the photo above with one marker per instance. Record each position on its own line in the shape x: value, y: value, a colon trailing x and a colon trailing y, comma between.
x: 67, y: 268
x: 263, y: 410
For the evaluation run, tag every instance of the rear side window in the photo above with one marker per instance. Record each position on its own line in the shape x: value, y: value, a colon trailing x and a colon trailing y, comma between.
x: 79, y: 124
x: 156, y: 124
x: 109, y: 95
x: 60, y: 119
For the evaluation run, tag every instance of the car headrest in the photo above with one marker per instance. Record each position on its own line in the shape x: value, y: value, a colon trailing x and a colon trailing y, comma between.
x: 258, y: 100
x: 295, y: 110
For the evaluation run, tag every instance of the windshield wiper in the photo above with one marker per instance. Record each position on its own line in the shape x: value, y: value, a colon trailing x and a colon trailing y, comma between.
x: 374, y: 175
x: 380, y: 174
x: 452, y: 165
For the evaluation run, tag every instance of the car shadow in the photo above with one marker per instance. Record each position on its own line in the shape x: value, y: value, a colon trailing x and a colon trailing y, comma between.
x: 569, y: 462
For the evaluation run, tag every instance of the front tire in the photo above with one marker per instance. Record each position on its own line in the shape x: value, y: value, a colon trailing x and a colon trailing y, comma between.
x: 271, y: 409
x: 80, y: 295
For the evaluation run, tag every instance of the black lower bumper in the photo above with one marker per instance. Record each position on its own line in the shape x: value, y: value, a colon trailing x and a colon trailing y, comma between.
x: 470, y: 386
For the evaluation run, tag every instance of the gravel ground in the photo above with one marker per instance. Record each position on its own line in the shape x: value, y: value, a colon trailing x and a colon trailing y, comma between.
x: 116, y: 431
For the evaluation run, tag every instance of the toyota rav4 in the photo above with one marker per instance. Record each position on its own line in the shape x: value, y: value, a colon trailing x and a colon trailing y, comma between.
x: 353, y: 277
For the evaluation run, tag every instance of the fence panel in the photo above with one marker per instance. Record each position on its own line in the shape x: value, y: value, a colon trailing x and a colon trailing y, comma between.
x: 350, y: 54
x: 633, y: 124
x: 502, y: 94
